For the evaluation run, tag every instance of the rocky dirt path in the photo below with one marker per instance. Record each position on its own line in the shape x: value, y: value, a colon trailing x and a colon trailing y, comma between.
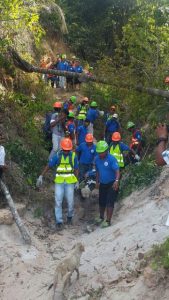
x: 111, y: 264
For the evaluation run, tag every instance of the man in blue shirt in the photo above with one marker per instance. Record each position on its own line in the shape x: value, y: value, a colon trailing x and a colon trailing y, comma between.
x: 107, y: 179
x: 82, y: 130
x: 66, y: 165
x: 87, y: 152
x: 92, y: 115
x: 62, y: 66
x: 117, y: 148
x: 112, y: 125
x: 136, y: 139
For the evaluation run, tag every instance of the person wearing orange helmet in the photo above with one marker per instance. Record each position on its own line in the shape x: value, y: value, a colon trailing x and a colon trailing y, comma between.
x: 57, y: 125
x: 87, y: 153
x: 117, y: 147
x: 66, y: 181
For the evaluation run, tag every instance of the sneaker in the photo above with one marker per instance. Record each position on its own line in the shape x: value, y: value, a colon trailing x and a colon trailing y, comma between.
x: 105, y: 224
x: 69, y: 221
x: 59, y: 226
x: 98, y: 220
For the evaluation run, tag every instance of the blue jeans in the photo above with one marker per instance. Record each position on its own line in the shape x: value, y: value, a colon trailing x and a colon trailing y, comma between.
x: 64, y: 190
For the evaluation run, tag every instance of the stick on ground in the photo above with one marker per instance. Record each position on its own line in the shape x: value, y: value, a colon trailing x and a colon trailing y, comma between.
x: 23, y: 230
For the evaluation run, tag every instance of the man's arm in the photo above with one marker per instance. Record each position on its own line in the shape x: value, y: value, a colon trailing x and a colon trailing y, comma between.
x: 162, y: 135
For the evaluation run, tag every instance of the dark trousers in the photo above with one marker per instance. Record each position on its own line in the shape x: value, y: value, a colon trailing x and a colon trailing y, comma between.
x: 107, y: 195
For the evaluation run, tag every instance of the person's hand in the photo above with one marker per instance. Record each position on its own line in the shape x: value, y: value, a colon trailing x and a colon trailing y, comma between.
x: 116, y: 185
x: 39, y: 181
x: 76, y: 186
x: 137, y: 157
x: 162, y: 131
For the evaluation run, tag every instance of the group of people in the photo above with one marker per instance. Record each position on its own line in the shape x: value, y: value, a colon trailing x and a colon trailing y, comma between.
x: 61, y: 63
x: 75, y: 154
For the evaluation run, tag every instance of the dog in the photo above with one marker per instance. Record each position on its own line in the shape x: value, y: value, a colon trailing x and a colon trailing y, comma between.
x: 65, y: 269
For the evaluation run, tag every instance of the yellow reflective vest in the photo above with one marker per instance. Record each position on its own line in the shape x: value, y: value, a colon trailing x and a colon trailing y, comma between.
x: 82, y: 112
x: 116, y: 152
x: 65, y: 171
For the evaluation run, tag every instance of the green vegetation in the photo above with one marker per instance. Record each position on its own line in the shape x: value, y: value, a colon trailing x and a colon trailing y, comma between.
x: 160, y: 255
x: 30, y: 161
x: 135, y: 177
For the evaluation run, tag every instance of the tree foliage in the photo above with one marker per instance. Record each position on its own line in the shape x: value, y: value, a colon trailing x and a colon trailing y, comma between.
x: 18, y: 16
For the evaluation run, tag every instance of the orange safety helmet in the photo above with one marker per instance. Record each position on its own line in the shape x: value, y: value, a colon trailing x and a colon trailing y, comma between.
x: 116, y: 137
x: 85, y: 99
x: 57, y: 105
x: 66, y: 144
x: 167, y: 80
x: 89, y: 138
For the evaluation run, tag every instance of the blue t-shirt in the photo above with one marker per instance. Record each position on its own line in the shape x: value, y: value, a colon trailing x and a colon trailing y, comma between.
x: 112, y: 125
x: 123, y: 147
x: 79, y: 69
x: 82, y: 131
x: 62, y: 66
x: 106, y: 168
x: 87, y: 153
x: 71, y: 127
x: 137, y: 135
x: 70, y: 68
x: 92, y: 115
x: 54, y: 160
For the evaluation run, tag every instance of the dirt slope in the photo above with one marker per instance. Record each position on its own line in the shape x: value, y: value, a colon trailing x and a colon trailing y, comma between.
x: 110, y: 265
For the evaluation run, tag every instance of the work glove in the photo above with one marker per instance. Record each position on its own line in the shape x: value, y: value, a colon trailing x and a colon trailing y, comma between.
x: 101, y: 113
x: 76, y: 186
x: 137, y: 157
x: 39, y: 181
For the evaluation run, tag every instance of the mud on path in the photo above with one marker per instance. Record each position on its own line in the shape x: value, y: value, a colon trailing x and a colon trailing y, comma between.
x: 111, y: 264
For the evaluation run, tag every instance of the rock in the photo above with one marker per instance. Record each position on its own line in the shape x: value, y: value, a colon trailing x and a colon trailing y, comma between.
x: 6, y: 217
x: 152, y: 278
x: 140, y: 255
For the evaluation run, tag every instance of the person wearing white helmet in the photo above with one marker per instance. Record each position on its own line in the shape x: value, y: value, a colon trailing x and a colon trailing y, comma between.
x: 112, y: 125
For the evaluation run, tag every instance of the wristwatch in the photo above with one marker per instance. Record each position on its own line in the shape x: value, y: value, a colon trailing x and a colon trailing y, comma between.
x: 162, y: 139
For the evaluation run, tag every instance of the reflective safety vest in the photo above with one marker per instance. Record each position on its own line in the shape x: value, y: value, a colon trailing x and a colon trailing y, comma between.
x: 65, y: 170
x: 116, y: 152
x: 82, y: 112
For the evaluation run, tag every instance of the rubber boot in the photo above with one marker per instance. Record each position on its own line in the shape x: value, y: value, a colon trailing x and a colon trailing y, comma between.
x: 109, y: 212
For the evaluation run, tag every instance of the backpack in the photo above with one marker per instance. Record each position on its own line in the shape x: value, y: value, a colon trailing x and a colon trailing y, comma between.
x: 46, y: 126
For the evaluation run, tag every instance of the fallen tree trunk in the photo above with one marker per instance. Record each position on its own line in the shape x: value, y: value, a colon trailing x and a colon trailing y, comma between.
x: 23, y: 230
x: 153, y: 91
x: 27, y: 67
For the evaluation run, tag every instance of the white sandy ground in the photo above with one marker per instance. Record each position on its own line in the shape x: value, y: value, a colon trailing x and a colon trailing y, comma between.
x: 110, y: 257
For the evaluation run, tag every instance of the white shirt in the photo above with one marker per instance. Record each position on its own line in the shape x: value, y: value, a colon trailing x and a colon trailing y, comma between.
x: 2, y: 156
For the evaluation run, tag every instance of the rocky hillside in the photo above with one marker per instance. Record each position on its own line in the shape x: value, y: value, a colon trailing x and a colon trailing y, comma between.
x: 114, y: 265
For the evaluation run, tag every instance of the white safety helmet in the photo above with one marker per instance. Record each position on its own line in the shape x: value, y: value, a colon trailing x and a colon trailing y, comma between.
x: 115, y: 116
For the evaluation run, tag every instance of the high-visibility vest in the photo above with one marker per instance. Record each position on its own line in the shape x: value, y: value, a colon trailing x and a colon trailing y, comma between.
x: 116, y: 152
x: 83, y: 112
x: 65, y: 170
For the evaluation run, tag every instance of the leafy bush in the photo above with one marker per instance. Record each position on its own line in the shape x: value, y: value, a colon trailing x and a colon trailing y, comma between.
x: 136, y: 177
x: 160, y: 255
x: 30, y: 161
